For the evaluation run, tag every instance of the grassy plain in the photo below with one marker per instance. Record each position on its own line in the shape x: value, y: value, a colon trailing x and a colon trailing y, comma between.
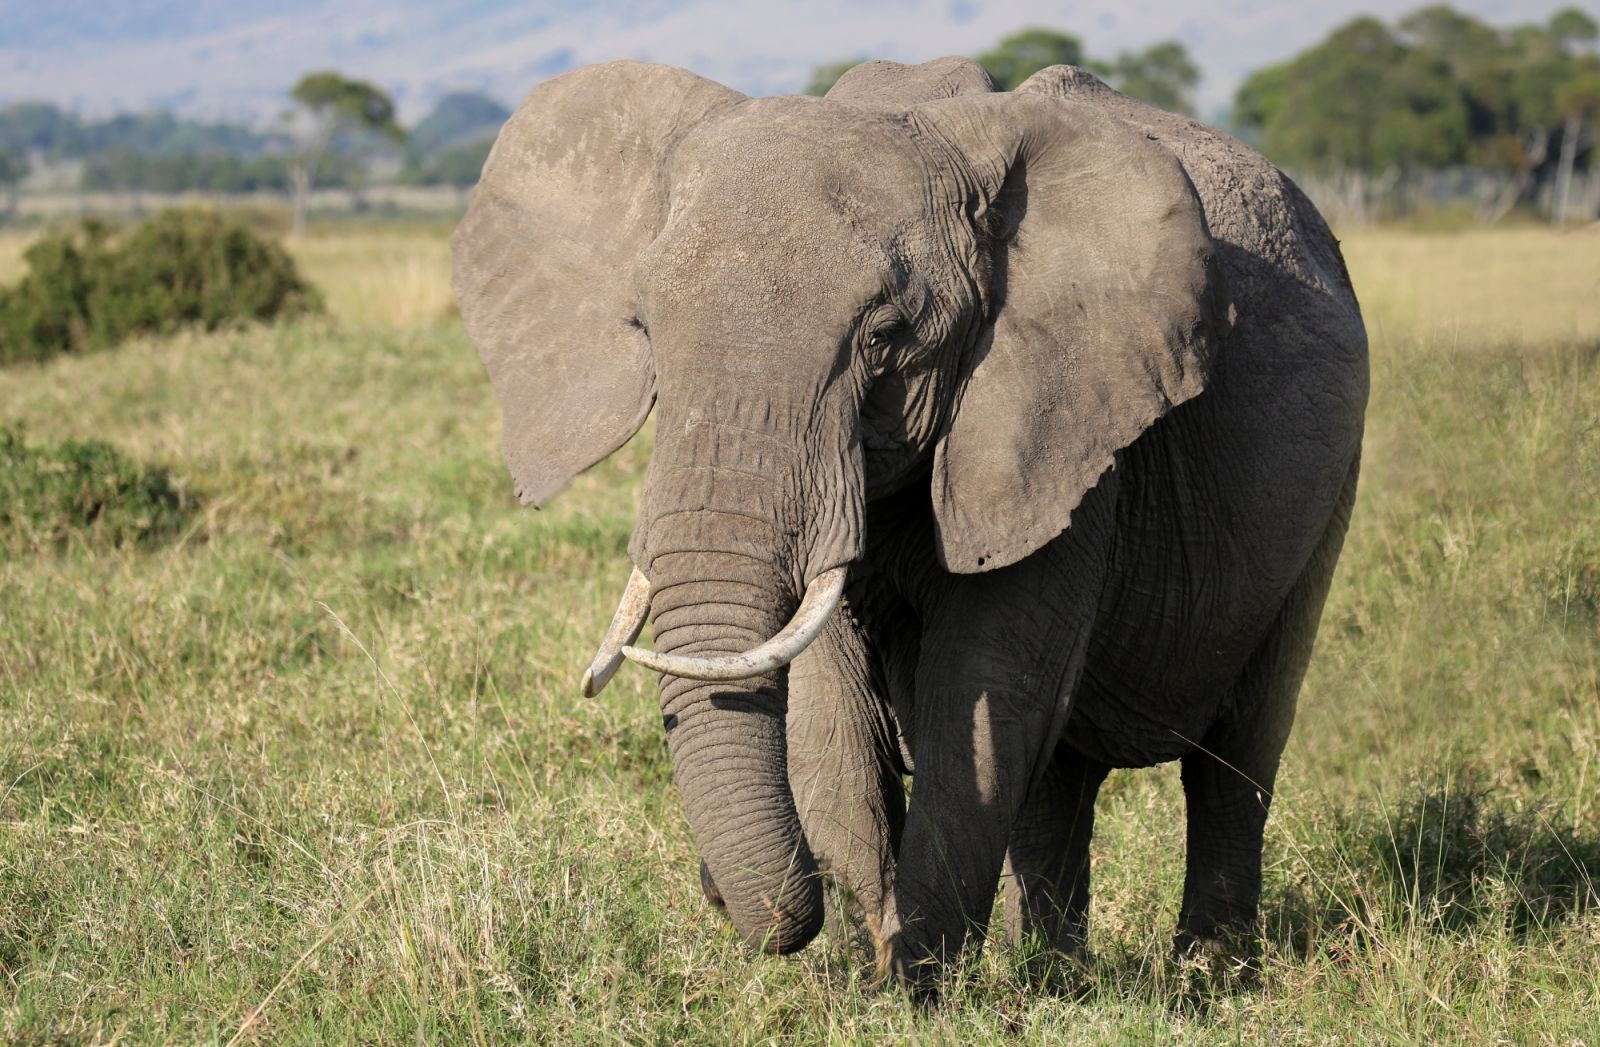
x: 319, y: 770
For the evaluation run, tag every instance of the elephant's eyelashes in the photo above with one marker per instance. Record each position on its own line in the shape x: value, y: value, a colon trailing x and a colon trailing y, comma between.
x: 884, y: 333
x: 880, y: 339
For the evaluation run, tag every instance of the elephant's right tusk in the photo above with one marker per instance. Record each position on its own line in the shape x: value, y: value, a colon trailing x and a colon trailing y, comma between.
x: 625, y: 627
x: 822, y: 596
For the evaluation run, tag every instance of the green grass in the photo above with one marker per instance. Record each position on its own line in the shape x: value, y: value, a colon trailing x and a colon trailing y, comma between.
x: 318, y: 770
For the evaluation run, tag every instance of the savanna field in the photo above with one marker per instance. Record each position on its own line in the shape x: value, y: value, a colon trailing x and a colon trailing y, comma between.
x: 312, y: 765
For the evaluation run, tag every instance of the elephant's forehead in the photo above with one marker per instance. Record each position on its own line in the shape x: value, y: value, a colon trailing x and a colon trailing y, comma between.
x: 812, y: 204
x: 810, y: 157
x: 792, y: 141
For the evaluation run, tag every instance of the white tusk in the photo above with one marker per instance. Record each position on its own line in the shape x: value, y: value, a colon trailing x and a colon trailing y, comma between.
x: 625, y: 626
x: 822, y: 596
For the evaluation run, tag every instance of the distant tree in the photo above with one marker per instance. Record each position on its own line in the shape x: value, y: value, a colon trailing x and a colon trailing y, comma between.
x: 162, y: 132
x: 1574, y: 29
x: 327, y: 104
x: 1464, y: 42
x: 1579, y: 102
x: 1162, y: 75
x: 1260, y: 101
x: 455, y: 119
x: 1020, y: 55
x: 1441, y: 88
x: 1362, y: 100
x: 458, y: 167
x: 38, y: 127
x: 42, y: 128
x: 1540, y: 110
x: 823, y: 77
x: 13, y: 169
x: 121, y: 170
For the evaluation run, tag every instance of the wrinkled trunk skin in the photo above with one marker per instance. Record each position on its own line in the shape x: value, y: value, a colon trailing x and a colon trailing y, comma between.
x: 719, y: 540
x: 729, y: 750
x: 748, y: 497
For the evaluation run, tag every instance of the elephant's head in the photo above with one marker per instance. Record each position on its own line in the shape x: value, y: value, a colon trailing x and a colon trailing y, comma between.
x: 826, y: 301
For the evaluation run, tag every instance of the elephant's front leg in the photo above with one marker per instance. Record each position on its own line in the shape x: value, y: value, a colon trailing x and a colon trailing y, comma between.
x: 1047, y: 862
x: 844, y: 762
x: 1001, y: 653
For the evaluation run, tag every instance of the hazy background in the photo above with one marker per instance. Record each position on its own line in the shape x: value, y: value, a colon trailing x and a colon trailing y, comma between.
x: 236, y: 60
x: 1382, y: 109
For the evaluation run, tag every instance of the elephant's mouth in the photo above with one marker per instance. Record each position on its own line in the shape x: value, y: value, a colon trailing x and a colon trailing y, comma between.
x: 821, y: 598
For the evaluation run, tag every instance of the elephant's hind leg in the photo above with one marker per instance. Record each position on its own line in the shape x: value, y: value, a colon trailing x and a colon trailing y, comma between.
x: 1047, y: 860
x: 1229, y: 777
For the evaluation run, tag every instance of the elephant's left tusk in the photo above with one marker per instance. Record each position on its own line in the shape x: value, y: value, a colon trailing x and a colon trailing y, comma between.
x: 822, y: 596
x: 625, y: 627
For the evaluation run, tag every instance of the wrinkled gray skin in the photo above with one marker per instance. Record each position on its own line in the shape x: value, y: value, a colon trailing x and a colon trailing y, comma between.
x: 1075, y: 386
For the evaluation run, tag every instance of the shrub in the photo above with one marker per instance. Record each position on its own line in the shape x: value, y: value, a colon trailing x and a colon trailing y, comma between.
x: 186, y: 267
x: 84, y: 490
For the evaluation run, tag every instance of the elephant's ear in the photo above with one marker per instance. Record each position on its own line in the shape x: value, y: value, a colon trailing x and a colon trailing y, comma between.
x: 893, y: 87
x: 543, y: 260
x: 1105, y: 310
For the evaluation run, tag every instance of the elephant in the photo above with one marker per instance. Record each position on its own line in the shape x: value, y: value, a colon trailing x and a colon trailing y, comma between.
x: 1001, y: 439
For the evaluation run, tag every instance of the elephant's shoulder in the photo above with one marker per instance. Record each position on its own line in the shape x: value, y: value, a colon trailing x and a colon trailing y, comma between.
x: 1231, y: 179
x: 1270, y: 235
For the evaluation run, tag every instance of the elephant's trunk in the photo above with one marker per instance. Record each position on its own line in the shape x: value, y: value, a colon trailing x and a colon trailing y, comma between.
x: 729, y: 753
x: 749, y: 500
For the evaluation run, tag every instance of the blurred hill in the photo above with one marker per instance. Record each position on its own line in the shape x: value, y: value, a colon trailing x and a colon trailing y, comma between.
x: 460, y: 118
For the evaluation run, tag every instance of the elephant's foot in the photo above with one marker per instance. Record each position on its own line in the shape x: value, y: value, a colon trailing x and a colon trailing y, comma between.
x: 1213, y: 962
x: 1060, y: 969
x: 905, y: 959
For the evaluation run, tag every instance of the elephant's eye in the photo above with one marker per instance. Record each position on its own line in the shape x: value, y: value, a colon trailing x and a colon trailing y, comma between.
x: 885, y: 333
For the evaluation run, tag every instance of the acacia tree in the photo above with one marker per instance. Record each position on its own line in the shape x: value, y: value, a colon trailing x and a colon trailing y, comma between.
x: 328, y: 103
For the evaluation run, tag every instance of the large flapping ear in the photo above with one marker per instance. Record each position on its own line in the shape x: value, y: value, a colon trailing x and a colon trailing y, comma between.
x: 1106, y: 308
x: 543, y: 260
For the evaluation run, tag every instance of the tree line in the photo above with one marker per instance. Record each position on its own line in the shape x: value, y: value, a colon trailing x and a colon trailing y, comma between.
x: 1382, y: 106
x: 333, y: 134
x: 1380, y: 119
x: 1376, y: 119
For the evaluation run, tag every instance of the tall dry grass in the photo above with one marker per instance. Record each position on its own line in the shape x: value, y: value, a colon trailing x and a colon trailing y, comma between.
x: 317, y: 769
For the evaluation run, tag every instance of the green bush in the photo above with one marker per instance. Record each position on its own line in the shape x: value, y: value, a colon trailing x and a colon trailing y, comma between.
x: 51, y: 495
x: 186, y: 267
